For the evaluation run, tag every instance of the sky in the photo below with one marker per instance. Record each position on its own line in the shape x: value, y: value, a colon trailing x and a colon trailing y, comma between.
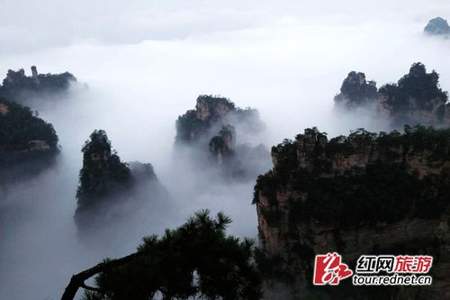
x: 145, y: 63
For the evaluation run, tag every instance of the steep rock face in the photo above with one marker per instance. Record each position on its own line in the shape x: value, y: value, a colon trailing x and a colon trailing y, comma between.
x: 28, y: 144
x: 19, y: 87
x: 210, y: 115
x: 218, y: 134
x: 223, y: 145
x: 108, y: 188
x: 415, y: 99
x: 361, y: 194
x: 437, y: 26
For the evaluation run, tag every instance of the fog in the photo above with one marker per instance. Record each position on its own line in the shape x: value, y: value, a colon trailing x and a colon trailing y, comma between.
x: 145, y: 63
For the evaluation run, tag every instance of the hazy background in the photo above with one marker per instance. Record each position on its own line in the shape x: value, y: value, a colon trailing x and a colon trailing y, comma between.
x: 146, y: 62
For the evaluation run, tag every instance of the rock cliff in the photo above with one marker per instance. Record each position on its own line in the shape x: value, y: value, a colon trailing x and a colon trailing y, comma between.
x: 19, y: 87
x: 357, y: 91
x: 222, y: 146
x: 110, y: 189
x: 360, y: 194
x: 28, y: 144
x: 220, y: 135
x: 415, y: 99
x: 210, y: 115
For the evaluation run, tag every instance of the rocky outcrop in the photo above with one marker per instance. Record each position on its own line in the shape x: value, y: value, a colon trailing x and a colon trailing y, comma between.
x: 415, y: 99
x: 223, y: 146
x: 438, y: 26
x: 19, y: 87
x: 109, y: 188
x: 28, y: 144
x: 360, y: 194
x: 210, y: 115
x: 217, y: 134
x: 356, y: 91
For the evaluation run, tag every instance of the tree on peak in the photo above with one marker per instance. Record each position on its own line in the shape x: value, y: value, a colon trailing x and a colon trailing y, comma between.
x: 417, y: 90
x: 98, y: 143
x: 222, y: 146
x: 28, y: 144
x: 357, y: 91
x: 418, y: 70
x: 210, y: 112
x: 416, y: 98
x: 210, y: 109
x: 208, y: 134
x: 102, y: 174
x: 110, y: 191
x: 19, y: 126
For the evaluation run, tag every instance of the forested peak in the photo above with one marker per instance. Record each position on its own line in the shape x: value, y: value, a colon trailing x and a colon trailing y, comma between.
x: 437, y: 26
x: 19, y: 87
x: 355, y: 81
x: 223, y: 144
x: 359, y: 193
x: 416, y: 98
x: 209, y: 115
x: 20, y: 80
x: 417, y: 70
x: 98, y: 143
x: 102, y: 171
x: 228, y: 133
x: 213, y: 107
x: 105, y: 181
x: 357, y: 91
x: 419, y: 77
x: 28, y: 144
x: 21, y: 128
x: 415, y: 91
x: 313, y: 152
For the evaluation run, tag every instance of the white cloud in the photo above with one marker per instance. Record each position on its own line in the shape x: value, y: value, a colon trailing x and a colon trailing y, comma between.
x: 146, y: 62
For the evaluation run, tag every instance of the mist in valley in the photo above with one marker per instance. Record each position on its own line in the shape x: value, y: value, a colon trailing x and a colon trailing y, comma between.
x: 142, y: 65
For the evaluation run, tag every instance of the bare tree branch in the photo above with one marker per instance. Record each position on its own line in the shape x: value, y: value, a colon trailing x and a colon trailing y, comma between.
x: 91, y: 288
x: 77, y: 280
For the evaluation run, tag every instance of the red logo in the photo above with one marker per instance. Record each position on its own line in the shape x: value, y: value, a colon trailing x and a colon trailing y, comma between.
x: 329, y: 269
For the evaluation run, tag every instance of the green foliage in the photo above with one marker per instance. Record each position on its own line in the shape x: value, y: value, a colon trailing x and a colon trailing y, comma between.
x: 339, y: 145
x: 210, y: 100
x: 19, y: 125
x: 197, y: 259
x: 224, y: 142
x: 103, y: 173
x: 195, y: 125
x: 189, y: 126
x: 421, y: 138
x: 286, y: 157
x: 267, y: 185
x: 217, y: 145
x: 272, y: 267
x: 416, y: 90
x: 416, y: 98
x: 18, y: 87
x: 356, y: 91
x: 384, y: 191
